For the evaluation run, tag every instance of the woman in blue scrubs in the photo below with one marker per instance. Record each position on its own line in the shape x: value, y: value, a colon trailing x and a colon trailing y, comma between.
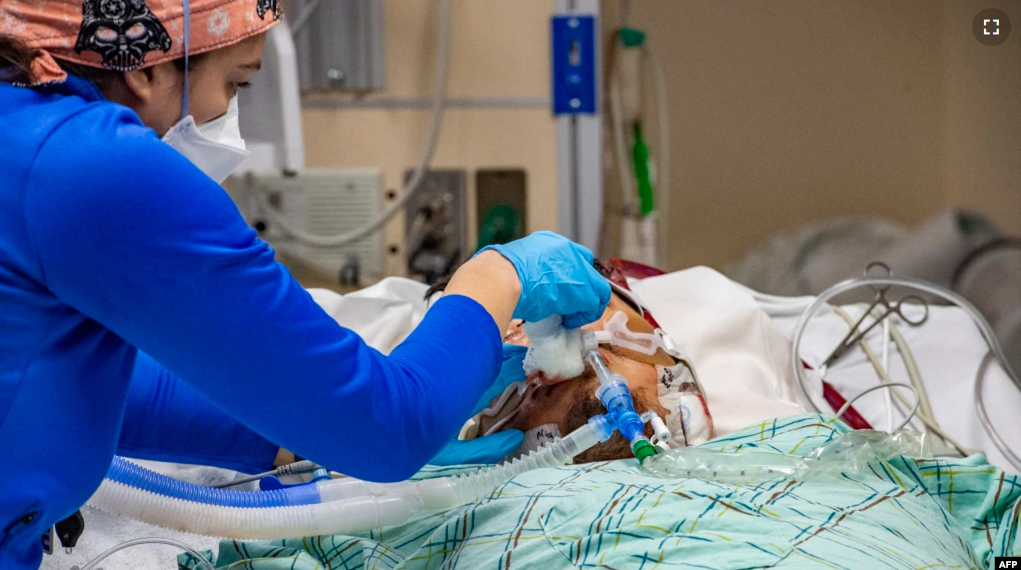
x: 140, y: 315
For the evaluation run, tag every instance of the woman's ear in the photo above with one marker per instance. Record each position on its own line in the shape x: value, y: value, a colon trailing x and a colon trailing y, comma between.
x: 140, y: 84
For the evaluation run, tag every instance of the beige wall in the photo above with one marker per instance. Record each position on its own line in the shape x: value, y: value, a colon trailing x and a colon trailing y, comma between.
x: 788, y: 111
x: 499, y: 48
x: 983, y: 115
x: 785, y: 112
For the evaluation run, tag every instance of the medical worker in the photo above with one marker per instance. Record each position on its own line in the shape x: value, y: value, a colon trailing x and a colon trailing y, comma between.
x: 140, y: 315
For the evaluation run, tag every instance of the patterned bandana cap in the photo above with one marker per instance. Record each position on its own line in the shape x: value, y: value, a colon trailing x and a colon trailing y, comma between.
x: 125, y: 35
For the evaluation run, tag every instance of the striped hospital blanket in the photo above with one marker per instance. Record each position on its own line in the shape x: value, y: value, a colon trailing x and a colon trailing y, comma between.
x: 905, y: 513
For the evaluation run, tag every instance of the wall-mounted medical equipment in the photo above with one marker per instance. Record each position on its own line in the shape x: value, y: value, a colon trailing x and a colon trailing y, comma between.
x: 576, y: 83
x: 374, y: 224
x: 325, y: 32
x: 501, y: 206
x: 340, y: 44
x: 436, y: 225
x: 644, y: 183
x: 319, y: 202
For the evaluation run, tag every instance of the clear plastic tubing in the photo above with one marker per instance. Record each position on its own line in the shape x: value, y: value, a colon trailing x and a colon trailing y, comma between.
x: 850, y: 452
x: 615, y: 395
x: 348, y: 505
x: 603, y: 374
x: 932, y: 289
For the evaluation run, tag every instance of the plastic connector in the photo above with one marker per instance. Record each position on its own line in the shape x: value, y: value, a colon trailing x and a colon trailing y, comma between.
x: 631, y: 426
x: 661, y: 431
x: 643, y: 450
x: 604, y: 426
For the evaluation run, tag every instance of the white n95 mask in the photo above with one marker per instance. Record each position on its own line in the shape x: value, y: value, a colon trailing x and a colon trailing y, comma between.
x: 216, y: 147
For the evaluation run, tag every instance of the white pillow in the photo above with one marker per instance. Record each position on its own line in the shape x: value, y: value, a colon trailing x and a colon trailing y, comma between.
x: 742, y: 359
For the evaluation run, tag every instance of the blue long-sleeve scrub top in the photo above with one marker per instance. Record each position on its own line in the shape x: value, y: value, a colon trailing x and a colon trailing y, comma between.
x: 140, y: 315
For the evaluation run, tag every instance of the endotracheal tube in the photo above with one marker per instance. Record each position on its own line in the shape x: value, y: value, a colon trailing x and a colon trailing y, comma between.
x: 615, y: 395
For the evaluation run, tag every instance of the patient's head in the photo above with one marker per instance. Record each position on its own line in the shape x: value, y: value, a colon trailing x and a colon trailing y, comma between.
x: 568, y: 403
x: 558, y: 406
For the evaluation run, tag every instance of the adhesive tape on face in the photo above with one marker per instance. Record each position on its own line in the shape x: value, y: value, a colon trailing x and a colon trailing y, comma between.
x: 538, y: 437
x: 622, y: 337
x: 688, y: 416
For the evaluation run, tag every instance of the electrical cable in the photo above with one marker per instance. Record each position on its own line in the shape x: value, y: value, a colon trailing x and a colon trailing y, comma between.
x: 304, y: 466
x: 911, y: 365
x: 908, y: 358
x: 150, y: 540
x: 983, y: 416
x: 917, y: 386
x: 304, y: 16
x: 888, y: 399
x: 920, y: 395
x: 413, y: 185
x: 889, y: 388
x: 881, y: 370
x: 918, y: 284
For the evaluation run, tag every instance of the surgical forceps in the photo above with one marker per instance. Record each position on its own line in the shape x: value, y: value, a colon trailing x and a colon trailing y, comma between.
x: 854, y: 336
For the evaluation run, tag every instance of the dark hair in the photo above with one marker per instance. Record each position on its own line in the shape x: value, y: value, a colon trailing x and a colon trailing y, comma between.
x: 16, y: 64
x: 15, y: 60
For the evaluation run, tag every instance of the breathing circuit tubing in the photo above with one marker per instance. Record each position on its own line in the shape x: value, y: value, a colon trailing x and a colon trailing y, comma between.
x: 920, y: 285
x: 336, y: 506
x: 413, y: 185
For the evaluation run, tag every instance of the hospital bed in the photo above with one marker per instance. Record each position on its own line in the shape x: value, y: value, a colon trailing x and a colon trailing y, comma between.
x: 612, y: 514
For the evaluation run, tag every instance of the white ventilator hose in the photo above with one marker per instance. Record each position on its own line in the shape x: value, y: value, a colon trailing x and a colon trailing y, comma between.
x: 349, y: 505
x: 918, y: 284
x: 413, y: 185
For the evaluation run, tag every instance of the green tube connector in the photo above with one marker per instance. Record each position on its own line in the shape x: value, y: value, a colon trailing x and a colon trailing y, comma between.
x: 632, y: 37
x: 643, y: 450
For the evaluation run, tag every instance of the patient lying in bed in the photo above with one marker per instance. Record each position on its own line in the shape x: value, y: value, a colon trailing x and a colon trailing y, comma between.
x: 545, y: 408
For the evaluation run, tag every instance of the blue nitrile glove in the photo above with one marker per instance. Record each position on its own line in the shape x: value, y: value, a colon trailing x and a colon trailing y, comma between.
x: 512, y: 370
x: 557, y: 278
x: 490, y: 448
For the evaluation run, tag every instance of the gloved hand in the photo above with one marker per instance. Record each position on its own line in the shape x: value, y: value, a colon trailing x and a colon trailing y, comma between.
x: 557, y: 277
x: 488, y: 449
x: 491, y: 448
x: 512, y: 370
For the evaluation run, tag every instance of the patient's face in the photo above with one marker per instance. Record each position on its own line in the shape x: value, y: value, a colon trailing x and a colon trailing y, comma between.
x: 570, y: 403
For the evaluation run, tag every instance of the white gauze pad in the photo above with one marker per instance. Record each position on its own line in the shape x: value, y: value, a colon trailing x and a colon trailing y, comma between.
x: 555, y: 351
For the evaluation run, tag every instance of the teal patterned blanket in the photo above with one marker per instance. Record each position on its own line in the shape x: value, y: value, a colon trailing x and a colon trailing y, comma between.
x: 905, y: 513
